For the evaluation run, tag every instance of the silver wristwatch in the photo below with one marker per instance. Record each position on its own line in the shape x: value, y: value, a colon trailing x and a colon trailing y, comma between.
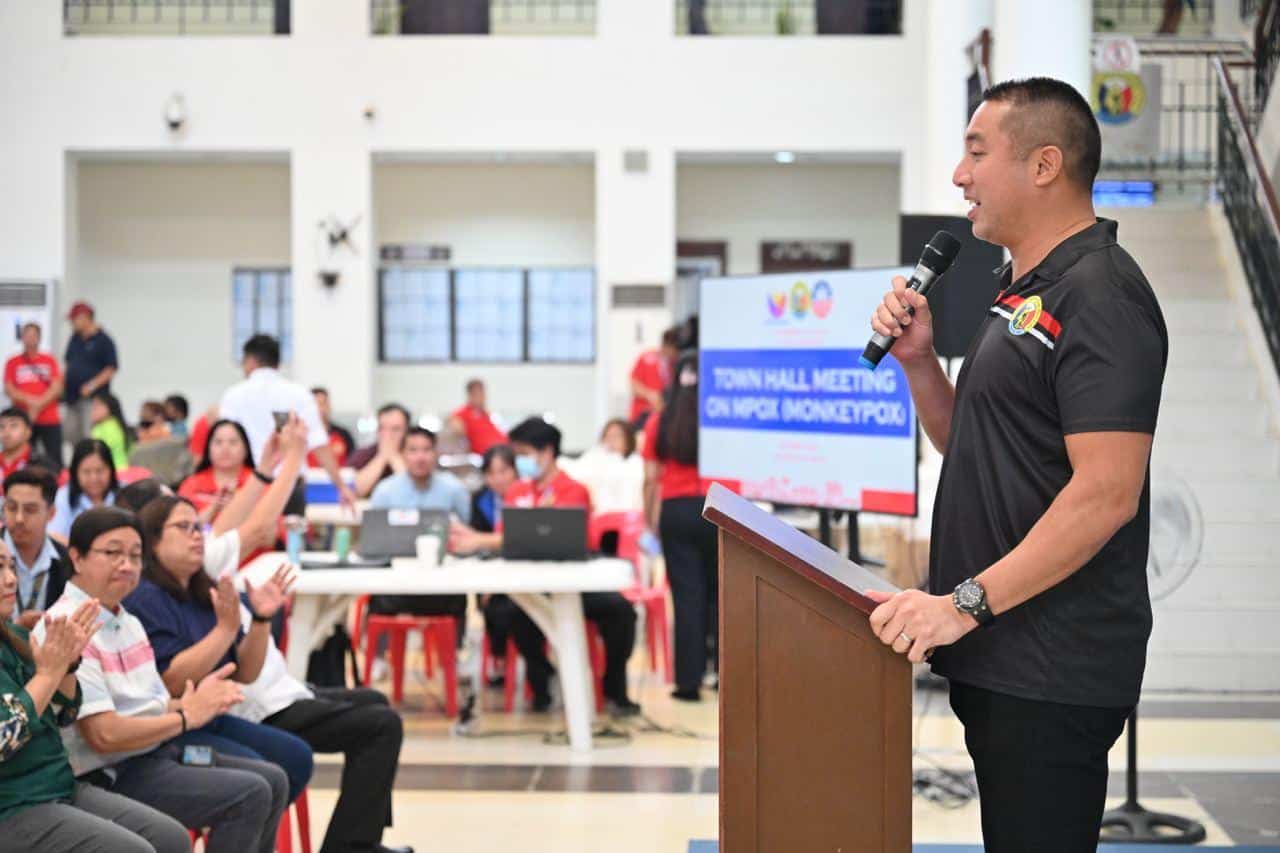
x: 969, y: 597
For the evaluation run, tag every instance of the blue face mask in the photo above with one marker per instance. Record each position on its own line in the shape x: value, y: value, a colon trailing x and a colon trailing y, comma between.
x: 528, y: 468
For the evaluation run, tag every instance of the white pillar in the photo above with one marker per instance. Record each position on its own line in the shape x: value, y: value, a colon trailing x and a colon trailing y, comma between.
x: 949, y: 27
x: 1044, y: 40
x: 635, y: 244
x: 333, y: 327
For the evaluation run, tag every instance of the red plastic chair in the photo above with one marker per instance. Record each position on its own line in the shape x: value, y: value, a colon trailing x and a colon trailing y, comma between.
x: 595, y: 655
x: 439, y: 638
x: 284, y: 835
x: 630, y: 526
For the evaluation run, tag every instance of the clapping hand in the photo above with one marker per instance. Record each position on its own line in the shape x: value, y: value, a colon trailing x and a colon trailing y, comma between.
x: 215, y: 695
x: 226, y: 604
x: 65, y: 639
x: 266, y: 600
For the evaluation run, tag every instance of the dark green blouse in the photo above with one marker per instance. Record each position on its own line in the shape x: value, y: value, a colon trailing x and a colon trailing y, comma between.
x: 33, y: 761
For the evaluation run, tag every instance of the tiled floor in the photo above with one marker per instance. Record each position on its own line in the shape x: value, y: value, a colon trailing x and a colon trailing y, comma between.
x: 1214, y: 759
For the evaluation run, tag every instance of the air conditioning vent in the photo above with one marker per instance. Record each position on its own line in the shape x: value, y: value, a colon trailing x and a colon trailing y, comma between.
x: 639, y: 295
x: 23, y: 294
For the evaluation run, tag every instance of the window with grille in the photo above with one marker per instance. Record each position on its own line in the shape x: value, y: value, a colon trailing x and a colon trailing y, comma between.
x: 262, y: 303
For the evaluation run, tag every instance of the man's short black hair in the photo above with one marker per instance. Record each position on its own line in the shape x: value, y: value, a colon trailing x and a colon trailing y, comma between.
x: 536, y: 433
x: 15, y: 412
x: 139, y: 493
x: 33, y: 475
x: 473, y: 384
x: 263, y: 349
x: 671, y: 337
x: 179, y: 405
x: 1046, y: 111
x: 396, y: 407
x: 32, y: 324
x: 320, y: 389
x: 419, y: 431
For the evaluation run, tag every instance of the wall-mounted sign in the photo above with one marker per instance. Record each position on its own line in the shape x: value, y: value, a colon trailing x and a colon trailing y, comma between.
x: 414, y: 253
x: 800, y: 255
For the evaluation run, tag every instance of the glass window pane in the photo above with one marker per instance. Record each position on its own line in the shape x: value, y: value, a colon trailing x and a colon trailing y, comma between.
x: 562, y: 314
x: 415, y: 314
x: 489, y: 305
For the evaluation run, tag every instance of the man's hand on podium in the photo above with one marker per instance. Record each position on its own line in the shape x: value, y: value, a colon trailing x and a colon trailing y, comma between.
x: 915, y: 623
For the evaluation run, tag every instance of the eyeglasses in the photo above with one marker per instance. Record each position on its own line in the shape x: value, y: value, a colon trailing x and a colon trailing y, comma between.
x: 119, y: 555
x: 146, y: 424
x: 186, y: 528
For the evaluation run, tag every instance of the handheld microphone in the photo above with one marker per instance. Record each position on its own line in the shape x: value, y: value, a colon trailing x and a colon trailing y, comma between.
x: 935, y: 260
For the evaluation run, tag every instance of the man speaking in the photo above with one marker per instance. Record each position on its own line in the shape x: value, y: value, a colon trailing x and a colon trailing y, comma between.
x: 1038, y: 613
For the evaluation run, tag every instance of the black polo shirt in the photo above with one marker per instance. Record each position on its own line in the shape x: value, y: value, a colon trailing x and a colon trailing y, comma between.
x: 1076, y: 345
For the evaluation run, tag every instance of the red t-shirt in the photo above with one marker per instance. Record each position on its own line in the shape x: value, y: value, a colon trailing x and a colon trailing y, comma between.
x: 202, y: 489
x: 676, y: 480
x: 33, y: 375
x: 562, y: 491
x: 337, y: 444
x: 199, y: 437
x: 482, y: 433
x: 19, y: 462
x: 652, y: 371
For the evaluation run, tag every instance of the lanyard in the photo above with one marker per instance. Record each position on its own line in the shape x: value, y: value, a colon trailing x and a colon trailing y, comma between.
x: 37, y: 587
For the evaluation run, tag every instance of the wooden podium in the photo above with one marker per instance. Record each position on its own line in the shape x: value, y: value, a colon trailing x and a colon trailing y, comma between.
x: 815, y: 712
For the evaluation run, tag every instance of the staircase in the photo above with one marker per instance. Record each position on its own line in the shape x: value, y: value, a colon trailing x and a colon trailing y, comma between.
x: 1216, y: 456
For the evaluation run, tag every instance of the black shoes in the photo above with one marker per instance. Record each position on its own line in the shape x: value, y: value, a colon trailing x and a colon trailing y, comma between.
x: 621, y: 708
x: 686, y: 695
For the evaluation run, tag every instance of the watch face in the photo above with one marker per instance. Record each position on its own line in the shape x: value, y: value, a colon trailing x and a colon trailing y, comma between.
x: 968, y: 595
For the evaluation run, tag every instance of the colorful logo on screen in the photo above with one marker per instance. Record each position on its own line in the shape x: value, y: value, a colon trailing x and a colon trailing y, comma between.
x: 822, y: 300
x: 777, y: 303
x: 800, y: 300
x: 1119, y: 97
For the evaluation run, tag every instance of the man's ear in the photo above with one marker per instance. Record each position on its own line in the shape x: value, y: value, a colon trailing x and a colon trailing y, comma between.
x: 1048, y: 164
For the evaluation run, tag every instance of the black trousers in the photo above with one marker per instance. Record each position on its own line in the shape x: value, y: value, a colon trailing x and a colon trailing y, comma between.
x: 423, y: 605
x: 614, y: 618
x: 359, y: 724
x: 50, y: 438
x: 1041, y: 768
x: 689, y: 549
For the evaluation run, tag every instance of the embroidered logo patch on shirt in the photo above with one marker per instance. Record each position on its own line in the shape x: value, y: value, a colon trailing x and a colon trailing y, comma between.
x: 1027, y: 317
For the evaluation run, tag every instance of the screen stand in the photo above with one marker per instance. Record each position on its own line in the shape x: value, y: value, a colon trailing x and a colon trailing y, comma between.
x: 1130, y: 823
x: 855, y: 546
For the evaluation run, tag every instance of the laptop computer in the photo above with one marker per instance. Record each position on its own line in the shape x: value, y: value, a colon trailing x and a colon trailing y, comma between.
x: 388, y: 533
x: 544, y: 533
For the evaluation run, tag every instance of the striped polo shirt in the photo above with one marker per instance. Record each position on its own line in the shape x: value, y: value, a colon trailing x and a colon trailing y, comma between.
x: 117, y: 673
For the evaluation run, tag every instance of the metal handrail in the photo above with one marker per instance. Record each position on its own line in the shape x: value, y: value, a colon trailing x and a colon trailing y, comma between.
x: 1265, y: 192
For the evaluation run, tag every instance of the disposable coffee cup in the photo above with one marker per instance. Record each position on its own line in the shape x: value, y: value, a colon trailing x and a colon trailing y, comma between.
x: 428, y: 547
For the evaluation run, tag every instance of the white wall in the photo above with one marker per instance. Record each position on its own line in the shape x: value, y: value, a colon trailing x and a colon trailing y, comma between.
x: 156, y: 246
x: 748, y: 204
x: 492, y: 215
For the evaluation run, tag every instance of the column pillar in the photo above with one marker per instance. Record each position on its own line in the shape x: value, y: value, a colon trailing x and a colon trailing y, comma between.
x: 1044, y: 40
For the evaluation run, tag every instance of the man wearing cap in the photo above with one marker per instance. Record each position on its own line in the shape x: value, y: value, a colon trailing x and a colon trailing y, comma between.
x: 91, y: 363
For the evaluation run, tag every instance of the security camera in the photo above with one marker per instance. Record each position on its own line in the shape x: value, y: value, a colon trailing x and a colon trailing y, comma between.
x: 175, y: 113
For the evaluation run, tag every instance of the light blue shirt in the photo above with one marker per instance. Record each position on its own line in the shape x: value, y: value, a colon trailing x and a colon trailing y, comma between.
x: 27, y: 574
x: 443, y: 491
x: 64, y: 514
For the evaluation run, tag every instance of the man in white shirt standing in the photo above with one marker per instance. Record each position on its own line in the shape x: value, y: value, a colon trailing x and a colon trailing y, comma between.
x: 264, y: 391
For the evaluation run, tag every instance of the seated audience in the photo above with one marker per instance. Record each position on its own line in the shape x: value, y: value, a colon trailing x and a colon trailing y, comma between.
x: 157, y: 449
x: 537, y: 447
x: 611, y: 470
x: 340, y: 441
x: 421, y: 486
x: 16, y: 450
x: 91, y: 482
x: 110, y: 428
x: 131, y: 734
x: 193, y: 626
x: 380, y: 460
x: 264, y: 391
x: 175, y: 412
x: 227, y: 465
x: 473, y: 421
x: 33, y: 381
x: 499, y: 469
x: 43, y: 566
x: 650, y: 376
x: 42, y: 806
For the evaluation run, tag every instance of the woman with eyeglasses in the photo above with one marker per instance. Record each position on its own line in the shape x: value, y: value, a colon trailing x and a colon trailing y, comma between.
x: 193, y: 624
x: 42, y: 806
x: 226, y: 465
x: 131, y: 735
x: 91, y: 482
